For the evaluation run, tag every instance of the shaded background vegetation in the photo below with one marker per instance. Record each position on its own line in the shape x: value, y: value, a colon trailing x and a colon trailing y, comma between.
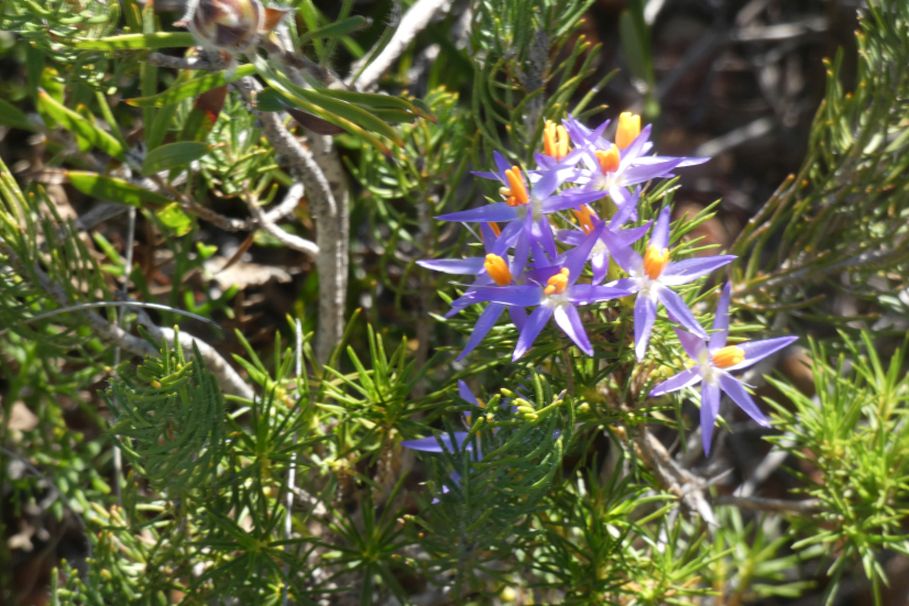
x: 198, y: 514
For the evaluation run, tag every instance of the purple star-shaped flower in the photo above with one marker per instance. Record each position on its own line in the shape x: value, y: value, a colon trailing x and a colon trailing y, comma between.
x: 611, y: 236
x: 652, y: 275
x: 714, y: 360
x: 612, y: 168
x: 444, y: 442
x: 557, y: 295
x: 495, y: 259
x: 455, y: 441
x: 525, y: 209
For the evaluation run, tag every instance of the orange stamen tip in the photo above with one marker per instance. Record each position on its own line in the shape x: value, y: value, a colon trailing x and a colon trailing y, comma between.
x: 495, y: 228
x: 628, y: 129
x: 655, y: 261
x: 517, y: 191
x: 608, y: 159
x: 555, y: 140
x: 728, y: 356
x: 557, y: 284
x: 497, y: 268
x: 585, y: 217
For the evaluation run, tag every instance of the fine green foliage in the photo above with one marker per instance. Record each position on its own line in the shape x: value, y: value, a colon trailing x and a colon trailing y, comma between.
x: 845, y: 213
x: 171, y: 433
x: 170, y: 419
x: 857, y: 424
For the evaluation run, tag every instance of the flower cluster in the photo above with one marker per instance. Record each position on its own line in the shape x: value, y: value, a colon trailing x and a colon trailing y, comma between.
x: 581, y: 177
x: 577, y: 208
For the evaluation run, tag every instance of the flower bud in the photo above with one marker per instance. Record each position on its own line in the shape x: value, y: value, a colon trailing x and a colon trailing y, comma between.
x: 230, y: 26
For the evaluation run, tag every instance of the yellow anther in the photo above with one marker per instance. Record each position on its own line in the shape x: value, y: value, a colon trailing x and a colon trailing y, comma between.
x: 655, y: 261
x: 585, y: 217
x: 516, y: 192
x: 608, y: 159
x: 497, y: 268
x: 557, y: 284
x: 555, y: 140
x: 728, y: 356
x: 628, y: 129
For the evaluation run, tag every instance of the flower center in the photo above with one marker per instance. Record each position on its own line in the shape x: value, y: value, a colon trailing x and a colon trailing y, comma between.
x: 628, y: 129
x: 608, y: 159
x: 497, y: 268
x: 555, y: 140
x: 557, y: 284
x: 598, y: 249
x: 728, y: 356
x: 655, y: 261
x: 516, y: 192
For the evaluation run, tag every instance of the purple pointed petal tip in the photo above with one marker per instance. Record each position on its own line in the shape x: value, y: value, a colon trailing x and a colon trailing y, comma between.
x: 468, y: 266
x: 734, y: 389
x: 482, y: 327
x: 710, y: 408
x: 721, y: 319
x: 465, y: 393
x: 693, y: 160
x: 755, y: 351
x: 686, y: 378
x: 438, y: 443
x: 660, y: 237
x: 687, y: 270
x: 679, y: 312
x: 566, y: 316
x: 531, y: 330
x: 496, y: 212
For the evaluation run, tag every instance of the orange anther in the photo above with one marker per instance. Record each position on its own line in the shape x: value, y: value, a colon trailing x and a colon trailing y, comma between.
x: 655, y: 261
x: 585, y: 217
x: 555, y: 140
x: 728, y: 356
x: 497, y: 268
x: 608, y: 159
x: 495, y: 228
x: 628, y: 129
x: 517, y: 191
x: 557, y: 284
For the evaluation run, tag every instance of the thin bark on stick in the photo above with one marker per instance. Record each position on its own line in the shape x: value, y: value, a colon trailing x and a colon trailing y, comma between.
x: 330, y: 214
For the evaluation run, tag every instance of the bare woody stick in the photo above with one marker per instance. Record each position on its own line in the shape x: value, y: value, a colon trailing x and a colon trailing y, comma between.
x: 331, y: 218
x: 412, y: 23
x: 227, y: 377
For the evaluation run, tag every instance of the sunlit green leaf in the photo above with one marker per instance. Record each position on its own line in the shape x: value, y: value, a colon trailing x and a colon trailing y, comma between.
x: 348, y: 116
x: 79, y: 125
x: 114, y: 190
x: 192, y: 88
x: 137, y: 41
x: 173, y: 217
x: 172, y: 155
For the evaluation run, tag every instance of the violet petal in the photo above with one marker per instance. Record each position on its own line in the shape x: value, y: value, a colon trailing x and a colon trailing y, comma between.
x: 733, y: 387
x: 644, y: 316
x: 686, y: 378
x: 484, y: 324
x: 710, y: 408
x: 531, y: 330
x: 721, y: 318
x: 566, y: 316
x: 679, y: 312
x: 756, y: 351
x: 688, y: 270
